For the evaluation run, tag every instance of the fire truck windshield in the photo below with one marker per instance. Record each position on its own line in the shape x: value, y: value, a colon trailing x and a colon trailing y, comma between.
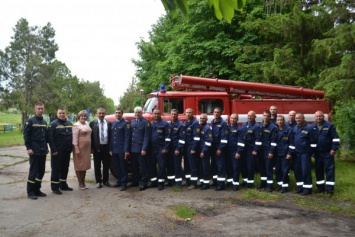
x: 151, y: 104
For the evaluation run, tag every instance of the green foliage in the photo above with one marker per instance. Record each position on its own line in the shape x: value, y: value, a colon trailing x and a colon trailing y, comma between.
x: 344, y: 121
x: 184, y: 211
x: 131, y: 97
x: 223, y: 9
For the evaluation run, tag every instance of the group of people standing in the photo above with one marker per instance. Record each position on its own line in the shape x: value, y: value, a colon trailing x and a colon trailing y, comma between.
x: 158, y: 149
x: 63, y: 137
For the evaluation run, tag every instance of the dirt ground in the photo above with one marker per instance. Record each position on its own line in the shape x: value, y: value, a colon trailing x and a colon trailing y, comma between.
x: 110, y: 212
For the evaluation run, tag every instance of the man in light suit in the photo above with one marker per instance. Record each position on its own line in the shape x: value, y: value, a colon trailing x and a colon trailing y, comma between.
x: 100, y: 141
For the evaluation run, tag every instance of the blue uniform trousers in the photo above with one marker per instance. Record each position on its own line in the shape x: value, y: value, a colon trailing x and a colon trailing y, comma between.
x: 170, y: 167
x: 235, y: 166
x: 282, y: 168
x: 177, y: 168
x: 120, y: 164
x: 139, y: 167
x: 187, y: 170
x: 250, y: 161
x: 302, y: 170
x: 220, y: 162
x: 205, y: 168
x: 192, y: 163
x: 157, y: 157
x: 269, y: 165
x: 60, y: 168
x: 262, y: 164
x: 36, y: 173
x: 325, y: 162
x: 229, y: 168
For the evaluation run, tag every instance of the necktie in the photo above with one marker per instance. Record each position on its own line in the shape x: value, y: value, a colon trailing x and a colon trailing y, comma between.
x: 102, y: 134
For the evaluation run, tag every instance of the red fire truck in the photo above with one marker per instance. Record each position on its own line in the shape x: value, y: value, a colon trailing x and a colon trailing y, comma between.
x: 205, y: 94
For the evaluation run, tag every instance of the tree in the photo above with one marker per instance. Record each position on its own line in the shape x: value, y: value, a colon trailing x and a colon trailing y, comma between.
x: 132, y: 97
x: 203, y: 46
x: 223, y: 9
x: 22, y: 64
x: 29, y: 72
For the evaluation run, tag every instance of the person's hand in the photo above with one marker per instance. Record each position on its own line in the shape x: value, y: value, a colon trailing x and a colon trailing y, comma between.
x: 237, y: 156
x: 55, y: 153
x: 254, y: 153
x: 270, y: 156
x: 143, y: 153
x: 110, y: 152
x: 177, y: 152
x: 332, y: 152
x: 30, y: 152
x: 218, y: 152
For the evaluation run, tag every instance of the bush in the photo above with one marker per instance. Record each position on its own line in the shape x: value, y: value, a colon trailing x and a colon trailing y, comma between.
x: 344, y: 122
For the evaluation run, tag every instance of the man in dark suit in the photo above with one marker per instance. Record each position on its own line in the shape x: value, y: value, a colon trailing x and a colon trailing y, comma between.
x: 100, y: 141
x: 140, y: 138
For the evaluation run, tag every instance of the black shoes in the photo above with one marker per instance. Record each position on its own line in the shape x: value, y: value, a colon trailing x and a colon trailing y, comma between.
x: 40, y: 194
x: 32, y: 197
x: 268, y: 189
x: 132, y: 185
x: 160, y: 187
x: 107, y: 184
x: 299, y: 190
x: 98, y: 185
x: 66, y: 189
x: 204, y: 187
x: 235, y: 188
x: 192, y: 187
x: 143, y: 187
x: 284, y: 190
x: 306, y: 193
x: 58, y: 192
x: 123, y: 188
x: 219, y: 188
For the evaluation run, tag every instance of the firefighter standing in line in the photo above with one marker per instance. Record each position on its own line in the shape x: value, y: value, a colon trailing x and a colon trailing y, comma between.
x: 205, y: 152
x: 266, y: 159
x: 219, y: 147
x: 327, y: 145
x: 140, y: 139
x: 120, y: 147
x: 273, y: 113
x: 302, y: 163
x: 285, y: 149
x: 235, y: 149
x: 60, y: 142
x: 35, y: 135
x: 291, y: 119
x: 192, y: 138
x: 250, y: 132
x: 174, y: 169
x: 160, y: 142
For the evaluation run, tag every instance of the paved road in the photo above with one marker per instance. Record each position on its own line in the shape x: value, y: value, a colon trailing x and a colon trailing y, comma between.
x: 109, y: 212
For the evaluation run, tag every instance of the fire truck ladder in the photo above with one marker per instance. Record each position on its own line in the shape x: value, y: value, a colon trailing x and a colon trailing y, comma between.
x: 244, y: 88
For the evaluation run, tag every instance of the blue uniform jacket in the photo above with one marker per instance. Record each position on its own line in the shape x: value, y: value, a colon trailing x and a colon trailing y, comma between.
x: 160, y: 135
x: 290, y: 125
x: 120, y: 136
x: 192, y: 134
x: 60, y: 135
x: 269, y: 136
x: 252, y: 136
x: 141, y: 131
x: 35, y: 135
x: 219, y: 134
x: 177, y: 136
x: 327, y: 137
x: 235, y: 139
x: 303, y: 138
x: 285, y: 141
x: 206, y: 139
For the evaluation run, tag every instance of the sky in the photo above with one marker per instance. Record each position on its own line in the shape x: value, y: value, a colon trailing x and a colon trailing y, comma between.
x: 96, y: 38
